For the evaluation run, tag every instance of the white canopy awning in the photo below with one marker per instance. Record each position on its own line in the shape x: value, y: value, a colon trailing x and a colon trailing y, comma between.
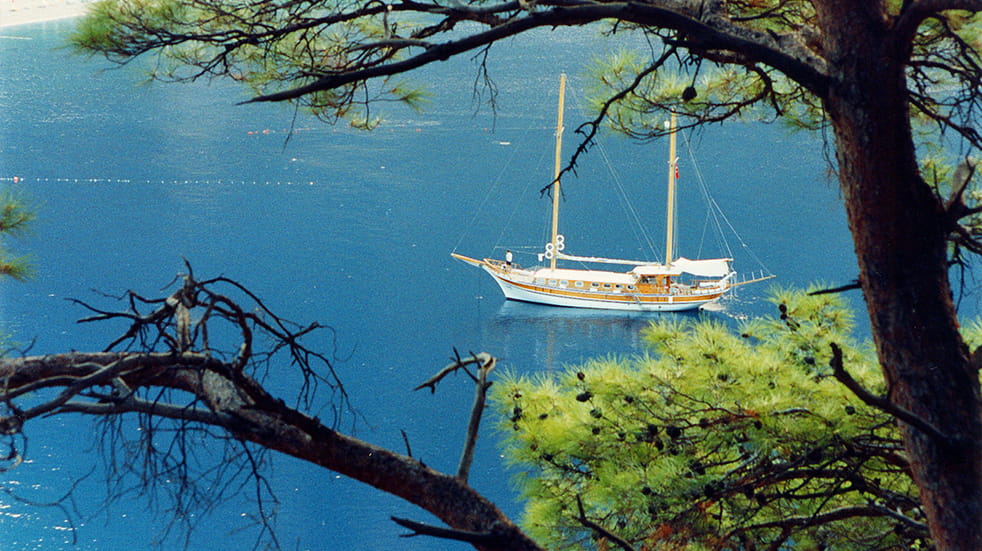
x: 713, y: 267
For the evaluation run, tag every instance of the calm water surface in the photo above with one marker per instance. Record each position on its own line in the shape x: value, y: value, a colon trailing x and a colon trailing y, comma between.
x: 353, y: 230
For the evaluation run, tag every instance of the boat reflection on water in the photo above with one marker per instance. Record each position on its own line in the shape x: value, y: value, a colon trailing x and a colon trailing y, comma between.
x: 546, y: 338
x: 559, y: 337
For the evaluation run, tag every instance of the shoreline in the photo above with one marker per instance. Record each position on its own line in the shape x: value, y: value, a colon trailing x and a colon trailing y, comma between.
x: 14, y: 13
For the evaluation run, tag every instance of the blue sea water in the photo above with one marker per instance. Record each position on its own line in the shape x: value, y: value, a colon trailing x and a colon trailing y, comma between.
x: 354, y: 230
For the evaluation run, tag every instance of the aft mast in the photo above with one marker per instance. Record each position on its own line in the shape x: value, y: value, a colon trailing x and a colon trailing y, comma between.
x: 670, y: 204
x: 556, y: 173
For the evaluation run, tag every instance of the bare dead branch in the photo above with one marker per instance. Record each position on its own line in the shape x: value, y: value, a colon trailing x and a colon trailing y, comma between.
x: 405, y: 440
x: 839, y: 289
x: 485, y: 363
x: 63, y: 504
x: 458, y: 363
x: 480, y: 395
x: 960, y: 179
x: 486, y: 539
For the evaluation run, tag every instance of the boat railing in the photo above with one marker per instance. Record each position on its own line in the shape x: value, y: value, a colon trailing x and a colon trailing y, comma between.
x: 503, y: 265
x: 707, y: 287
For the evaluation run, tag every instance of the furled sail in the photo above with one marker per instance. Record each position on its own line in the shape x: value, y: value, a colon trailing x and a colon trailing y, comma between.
x: 600, y: 260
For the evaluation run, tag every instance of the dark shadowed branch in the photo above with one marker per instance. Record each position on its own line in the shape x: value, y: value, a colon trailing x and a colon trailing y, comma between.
x: 485, y: 363
x: 489, y: 538
x: 880, y: 402
x: 600, y: 530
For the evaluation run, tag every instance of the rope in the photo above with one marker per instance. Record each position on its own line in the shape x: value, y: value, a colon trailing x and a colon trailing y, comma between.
x: 493, y: 190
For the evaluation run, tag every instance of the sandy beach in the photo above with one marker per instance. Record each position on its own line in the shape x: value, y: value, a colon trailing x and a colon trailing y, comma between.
x: 22, y: 12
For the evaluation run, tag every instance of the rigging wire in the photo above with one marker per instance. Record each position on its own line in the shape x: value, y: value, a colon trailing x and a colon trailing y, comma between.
x: 637, y: 225
x: 492, y: 190
x: 716, y: 214
x: 713, y: 212
x: 530, y: 182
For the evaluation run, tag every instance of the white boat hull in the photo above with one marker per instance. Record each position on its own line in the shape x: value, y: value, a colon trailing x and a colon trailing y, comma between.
x: 513, y: 292
x: 522, y: 285
x: 629, y: 302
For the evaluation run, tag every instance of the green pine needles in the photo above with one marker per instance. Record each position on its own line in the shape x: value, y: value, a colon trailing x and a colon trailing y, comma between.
x: 15, y: 218
x: 719, y: 439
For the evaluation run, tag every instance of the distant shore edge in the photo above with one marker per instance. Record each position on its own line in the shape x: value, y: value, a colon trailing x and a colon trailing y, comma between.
x: 14, y: 13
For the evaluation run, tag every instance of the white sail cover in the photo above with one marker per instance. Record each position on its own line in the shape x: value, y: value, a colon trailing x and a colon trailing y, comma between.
x: 650, y: 270
x: 601, y: 260
x: 713, y: 267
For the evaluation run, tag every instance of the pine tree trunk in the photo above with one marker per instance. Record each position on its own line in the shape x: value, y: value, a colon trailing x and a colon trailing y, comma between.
x: 900, y: 228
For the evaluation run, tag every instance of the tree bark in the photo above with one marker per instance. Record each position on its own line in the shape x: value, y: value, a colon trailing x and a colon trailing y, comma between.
x: 445, y: 496
x: 900, y: 232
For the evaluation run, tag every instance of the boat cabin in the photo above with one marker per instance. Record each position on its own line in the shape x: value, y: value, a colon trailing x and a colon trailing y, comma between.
x: 657, y: 276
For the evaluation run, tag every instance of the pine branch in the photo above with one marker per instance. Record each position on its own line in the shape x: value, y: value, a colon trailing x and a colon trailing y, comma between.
x: 603, y: 532
x: 880, y: 402
x: 711, y: 31
x: 841, y: 513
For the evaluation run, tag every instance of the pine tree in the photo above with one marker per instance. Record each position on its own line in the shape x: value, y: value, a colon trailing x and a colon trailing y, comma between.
x: 716, y: 439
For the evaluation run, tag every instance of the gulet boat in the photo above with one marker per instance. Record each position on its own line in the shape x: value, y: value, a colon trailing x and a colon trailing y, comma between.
x: 676, y: 284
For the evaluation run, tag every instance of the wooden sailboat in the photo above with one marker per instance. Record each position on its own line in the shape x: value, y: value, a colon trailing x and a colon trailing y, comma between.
x: 675, y: 285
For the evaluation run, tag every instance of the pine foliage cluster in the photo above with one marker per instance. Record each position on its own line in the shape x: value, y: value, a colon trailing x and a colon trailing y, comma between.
x: 15, y: 217
x: 716, y: 439
x: 263, y: 45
